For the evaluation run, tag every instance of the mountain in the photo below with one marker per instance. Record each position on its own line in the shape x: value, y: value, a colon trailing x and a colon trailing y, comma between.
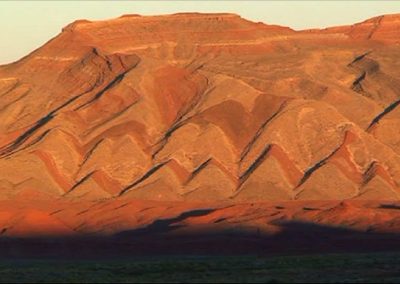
x: 203, y: 108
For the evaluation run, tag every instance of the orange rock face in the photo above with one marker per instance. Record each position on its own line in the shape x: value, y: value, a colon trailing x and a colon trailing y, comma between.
x: 201, y: 108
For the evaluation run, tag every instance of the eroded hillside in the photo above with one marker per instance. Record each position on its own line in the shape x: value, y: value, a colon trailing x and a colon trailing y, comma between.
x: 204, y: 107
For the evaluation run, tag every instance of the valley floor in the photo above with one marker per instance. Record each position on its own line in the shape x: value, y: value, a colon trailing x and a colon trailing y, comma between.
x: 333, y: 268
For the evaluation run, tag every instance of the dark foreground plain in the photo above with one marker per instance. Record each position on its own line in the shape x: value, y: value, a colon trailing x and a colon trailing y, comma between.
x: 328, y: 268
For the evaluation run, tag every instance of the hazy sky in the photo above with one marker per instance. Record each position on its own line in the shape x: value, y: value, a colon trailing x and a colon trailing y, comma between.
x: 26, y: 25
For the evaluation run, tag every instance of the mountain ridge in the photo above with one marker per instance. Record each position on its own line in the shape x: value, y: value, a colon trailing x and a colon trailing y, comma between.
x: 203, y: 105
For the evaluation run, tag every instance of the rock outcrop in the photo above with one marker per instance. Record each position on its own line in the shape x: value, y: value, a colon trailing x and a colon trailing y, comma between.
x: 203, y: 107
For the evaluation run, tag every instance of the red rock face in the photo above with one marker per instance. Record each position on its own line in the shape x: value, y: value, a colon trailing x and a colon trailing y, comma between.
x: 384, y: 28
x: 203, y: 108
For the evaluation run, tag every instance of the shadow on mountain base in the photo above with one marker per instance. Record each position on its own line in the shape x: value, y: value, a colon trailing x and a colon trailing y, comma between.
x: 163, y: 238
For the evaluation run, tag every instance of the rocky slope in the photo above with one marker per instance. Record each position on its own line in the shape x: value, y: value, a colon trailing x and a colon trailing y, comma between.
x: 201, y: 108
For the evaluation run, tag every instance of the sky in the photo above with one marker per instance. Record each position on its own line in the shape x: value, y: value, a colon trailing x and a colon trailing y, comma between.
x: 26, y: 25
